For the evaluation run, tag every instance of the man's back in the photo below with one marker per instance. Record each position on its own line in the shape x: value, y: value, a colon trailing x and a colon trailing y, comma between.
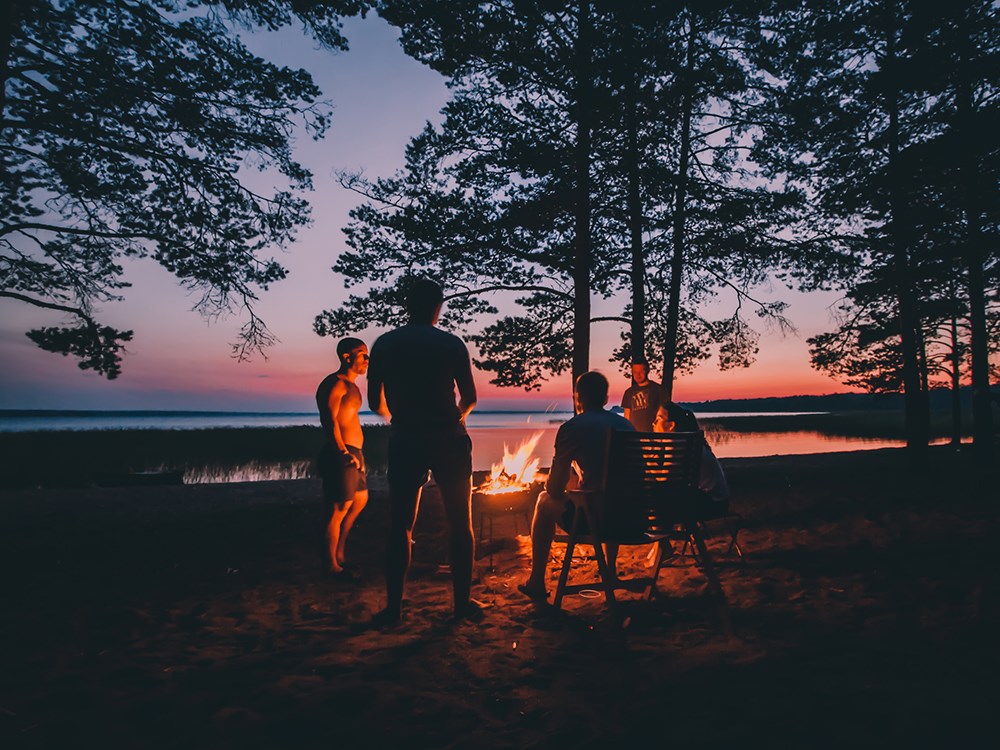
x: 583, y: 439
x: 419, y: 365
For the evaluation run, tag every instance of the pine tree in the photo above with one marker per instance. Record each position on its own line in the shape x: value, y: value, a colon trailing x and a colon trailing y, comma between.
x: 125, y: 128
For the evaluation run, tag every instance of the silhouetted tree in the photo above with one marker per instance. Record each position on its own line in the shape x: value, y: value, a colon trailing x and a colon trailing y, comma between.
x: 958, y: 56
x: 852, y: 109
x: 499, y: 199
x: 712, y: 219
x: 494, y: 199
x: 891, y: 121
x: 126, y: 130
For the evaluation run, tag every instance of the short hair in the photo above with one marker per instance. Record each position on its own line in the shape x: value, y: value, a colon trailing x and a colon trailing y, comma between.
x: 422, y: 298
x: 640, y: 360
x: 592, y: 389
x: 348, y: 345
x: 683, y: 419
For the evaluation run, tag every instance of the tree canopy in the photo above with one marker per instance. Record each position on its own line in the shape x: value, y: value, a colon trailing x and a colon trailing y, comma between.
x: 128, y: 131
x: 522, y: 189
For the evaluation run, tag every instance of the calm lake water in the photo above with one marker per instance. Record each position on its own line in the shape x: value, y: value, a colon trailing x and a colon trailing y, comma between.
x: 197, y: 420
x: 491, y: 433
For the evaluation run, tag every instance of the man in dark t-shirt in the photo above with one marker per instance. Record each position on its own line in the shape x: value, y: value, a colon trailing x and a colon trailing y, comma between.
x: 412, y: 377
x: 643, y: 399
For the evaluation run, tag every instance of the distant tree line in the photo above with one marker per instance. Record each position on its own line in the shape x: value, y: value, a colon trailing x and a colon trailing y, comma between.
x: 671, y: 152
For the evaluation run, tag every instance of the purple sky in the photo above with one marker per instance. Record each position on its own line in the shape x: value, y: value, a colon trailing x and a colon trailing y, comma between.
x: 178, y: 360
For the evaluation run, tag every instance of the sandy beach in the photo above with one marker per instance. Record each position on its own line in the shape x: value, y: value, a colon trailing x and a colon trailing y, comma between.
x: 195, y: 616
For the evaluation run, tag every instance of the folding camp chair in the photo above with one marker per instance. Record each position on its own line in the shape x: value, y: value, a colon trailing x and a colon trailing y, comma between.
x: 648, y: 494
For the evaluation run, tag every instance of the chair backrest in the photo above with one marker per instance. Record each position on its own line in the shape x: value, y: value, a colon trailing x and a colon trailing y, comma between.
x: 650, y: 480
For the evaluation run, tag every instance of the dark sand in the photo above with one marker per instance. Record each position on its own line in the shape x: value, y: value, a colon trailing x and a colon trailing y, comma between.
x: 195, y: 617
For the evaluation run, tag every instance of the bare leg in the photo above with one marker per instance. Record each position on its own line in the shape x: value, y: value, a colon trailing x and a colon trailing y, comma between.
x: 355, y: 508
x: 543, y: 530
x: 457, y: 499
x: 403, y: 514
x: 333, y: 536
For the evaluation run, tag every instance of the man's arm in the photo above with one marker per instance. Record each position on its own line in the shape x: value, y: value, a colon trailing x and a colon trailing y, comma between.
x: 562, y: 465
x: 466, y: 385
x: 376, y: 398
x: 337, y: 394
x: 376, y: 387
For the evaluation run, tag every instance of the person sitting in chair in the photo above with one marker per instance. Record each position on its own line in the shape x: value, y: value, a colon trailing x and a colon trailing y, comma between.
x: 582, y: 441
x: 671, y: 417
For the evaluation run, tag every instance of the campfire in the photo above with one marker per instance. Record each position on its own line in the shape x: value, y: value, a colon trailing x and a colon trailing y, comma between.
x: 517, y: 471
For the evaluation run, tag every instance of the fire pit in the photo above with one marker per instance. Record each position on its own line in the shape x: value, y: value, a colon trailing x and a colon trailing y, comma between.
x: 509, y: 488
x: 521, y: 499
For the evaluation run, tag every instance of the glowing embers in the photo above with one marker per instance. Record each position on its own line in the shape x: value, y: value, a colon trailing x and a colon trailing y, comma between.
x: 516, y: 472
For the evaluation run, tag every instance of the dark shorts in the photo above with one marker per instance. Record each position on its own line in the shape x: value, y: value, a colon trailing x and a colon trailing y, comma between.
x: 340, y: 480
x: 447, y: 455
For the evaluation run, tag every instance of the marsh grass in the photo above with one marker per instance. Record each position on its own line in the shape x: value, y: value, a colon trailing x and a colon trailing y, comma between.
x: 77, y: 458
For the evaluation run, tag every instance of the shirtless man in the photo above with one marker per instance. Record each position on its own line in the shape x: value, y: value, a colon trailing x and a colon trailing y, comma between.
x: 341, y: 462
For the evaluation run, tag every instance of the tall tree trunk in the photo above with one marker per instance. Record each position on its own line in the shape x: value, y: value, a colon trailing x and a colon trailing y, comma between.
x: 582, y: 257
x: 680, y: 217
x: 925, y: 375
x: 956, y: 382
x: 914, y: 395
x: 982, y: 400
x: 638, y: 326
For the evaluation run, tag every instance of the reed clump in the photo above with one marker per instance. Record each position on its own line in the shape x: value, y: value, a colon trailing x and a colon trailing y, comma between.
x: 77, y: 458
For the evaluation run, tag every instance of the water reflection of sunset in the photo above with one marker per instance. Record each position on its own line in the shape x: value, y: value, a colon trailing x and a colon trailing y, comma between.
x: 488, y: 443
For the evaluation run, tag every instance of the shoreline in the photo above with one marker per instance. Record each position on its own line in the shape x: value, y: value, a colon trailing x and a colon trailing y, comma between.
x: 78, y: 458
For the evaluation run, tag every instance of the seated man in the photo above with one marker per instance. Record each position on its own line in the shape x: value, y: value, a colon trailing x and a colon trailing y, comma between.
x: 582, y: 441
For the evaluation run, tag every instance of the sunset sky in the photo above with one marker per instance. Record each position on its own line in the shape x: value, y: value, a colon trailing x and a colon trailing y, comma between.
x: 178, y: 360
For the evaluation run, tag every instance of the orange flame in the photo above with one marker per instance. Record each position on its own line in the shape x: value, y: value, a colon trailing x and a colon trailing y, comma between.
x: 517, y: 470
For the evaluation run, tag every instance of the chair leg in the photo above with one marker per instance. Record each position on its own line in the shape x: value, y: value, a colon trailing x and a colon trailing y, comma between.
x: 657, y: 566
x: 733, y: 525
x: 708, y: 568
x: 603, y: 567
x: 567, y: 560
x: 692, y: 548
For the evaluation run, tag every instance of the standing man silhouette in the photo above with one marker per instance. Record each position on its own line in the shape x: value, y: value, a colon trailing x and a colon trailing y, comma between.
x: 412, y: 377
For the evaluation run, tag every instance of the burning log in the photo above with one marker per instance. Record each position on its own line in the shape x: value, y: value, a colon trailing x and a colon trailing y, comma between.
x: 517, y: 471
